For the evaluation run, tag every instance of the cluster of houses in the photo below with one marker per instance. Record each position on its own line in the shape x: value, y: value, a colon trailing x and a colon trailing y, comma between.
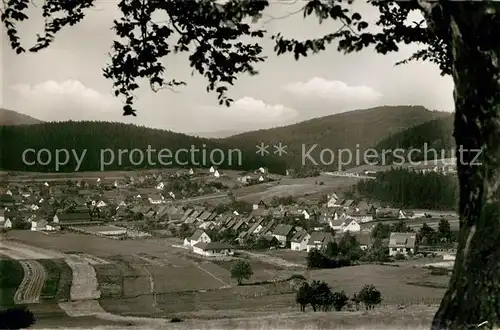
x: 143, y: 200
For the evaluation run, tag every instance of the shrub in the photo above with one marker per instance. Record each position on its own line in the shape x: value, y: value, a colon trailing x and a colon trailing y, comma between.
x: 339, y: 300
x: 370, y: 296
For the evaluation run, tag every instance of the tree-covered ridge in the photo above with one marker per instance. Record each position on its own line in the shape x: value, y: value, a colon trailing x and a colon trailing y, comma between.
x: 96, y: 136
x: 408, y: 189
x: 339, y: 131
x: 435, y: 134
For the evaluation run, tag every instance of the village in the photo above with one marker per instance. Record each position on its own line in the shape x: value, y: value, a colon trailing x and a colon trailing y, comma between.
x: 120, y: 244
x: 146, y: 206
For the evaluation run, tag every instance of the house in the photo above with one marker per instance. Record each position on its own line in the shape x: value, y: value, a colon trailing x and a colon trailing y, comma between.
x: 331, y: 200
x: 299, y: 241
x: 6, y: 224
x: 283, y: 233
x: 364, y: 239
x: 213, y: 249
x: 2, y: 215
x: 191, y: 172
x: 319, y: 240
x: 351, y: 225
x: 198, y: 236
x: 38, y: 224
x: 256, y: 227
x: 212, y: 169
x: 160, y: 186
x: 73, y: 219
x: 156, y: 199
x: 216, y: 174
x: 404, y: 243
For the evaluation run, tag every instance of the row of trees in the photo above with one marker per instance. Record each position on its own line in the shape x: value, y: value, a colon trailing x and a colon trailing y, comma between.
x: 319, y: 295
x: 409, y: 189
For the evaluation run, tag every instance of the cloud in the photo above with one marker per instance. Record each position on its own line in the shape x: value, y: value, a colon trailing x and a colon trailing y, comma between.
x: 333, y: 90
x: 320, y: 97
x: 245, y: 114
x: 65, y: 100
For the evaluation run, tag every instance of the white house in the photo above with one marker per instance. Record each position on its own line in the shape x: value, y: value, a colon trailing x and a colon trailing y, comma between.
x: 7, y: 224
x: 331, y: 200
x: 351, y: 226
x: 319, y: 240
x: 37, y: 225
x: 306, y: 214
x: 191, y: 171
x: 212, y: 169
x: 299, y: 241
x: 216, y: 174
x: 101, y: 204
x: 262, y: 170
x: 34, y: 207
x: 156, y: 199
x: 198, y: 236
x: 213, y: 249
x: 403, y: 243
x: 171, y: 194
x: 282, y: 233
x: 160, y: 186
x: 261, y: 178
x: 8, y: 192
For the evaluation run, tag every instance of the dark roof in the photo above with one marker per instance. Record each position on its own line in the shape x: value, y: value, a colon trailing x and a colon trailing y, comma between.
x: 74, y: 217
x: 197, y: 234
x: 282, y: 229
x: 213, y: 246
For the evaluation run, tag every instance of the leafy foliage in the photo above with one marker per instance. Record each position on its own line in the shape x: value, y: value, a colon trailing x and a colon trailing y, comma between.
x: 320, y: 296
x: 211, y: 33
x: 370, y: 296
x: 241, y: 270
x: 16, y: 318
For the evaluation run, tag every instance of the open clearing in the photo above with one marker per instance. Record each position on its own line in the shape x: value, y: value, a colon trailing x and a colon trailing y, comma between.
x: 294, y: 187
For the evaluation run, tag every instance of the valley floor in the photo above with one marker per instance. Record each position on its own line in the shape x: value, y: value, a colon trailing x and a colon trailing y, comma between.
x: 93, y: 281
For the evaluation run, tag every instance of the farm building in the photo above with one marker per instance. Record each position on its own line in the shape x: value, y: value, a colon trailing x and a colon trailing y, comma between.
x: 213, y: 249
x: 403, y: 243
x: 198, y: 236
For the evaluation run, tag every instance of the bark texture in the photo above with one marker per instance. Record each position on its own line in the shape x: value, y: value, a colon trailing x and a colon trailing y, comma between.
x: 473, y: 296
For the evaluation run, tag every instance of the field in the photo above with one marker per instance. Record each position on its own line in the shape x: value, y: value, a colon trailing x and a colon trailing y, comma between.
x: 138, y: 278
x: 294, y: 187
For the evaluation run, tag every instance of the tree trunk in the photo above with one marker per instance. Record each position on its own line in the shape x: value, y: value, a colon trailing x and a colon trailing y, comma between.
x: 473, y: 295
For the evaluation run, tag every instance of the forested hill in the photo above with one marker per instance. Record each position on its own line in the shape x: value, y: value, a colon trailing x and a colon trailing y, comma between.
x: 436, y: 134
x: 348, y: 130
x: 9, y: 117
x: 409, y: 189
x: 97, y: 136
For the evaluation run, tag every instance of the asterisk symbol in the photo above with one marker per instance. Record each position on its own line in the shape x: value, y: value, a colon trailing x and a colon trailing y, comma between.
x: 280, y: 149
x: 262, y: 149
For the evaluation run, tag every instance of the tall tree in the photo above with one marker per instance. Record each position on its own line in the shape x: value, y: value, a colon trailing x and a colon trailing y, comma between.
x: 460, y: 37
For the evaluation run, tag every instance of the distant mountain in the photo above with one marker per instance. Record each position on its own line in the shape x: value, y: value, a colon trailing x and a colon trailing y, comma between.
x: 215, y: 135
x: 102, y: 140
x: 353, y: 130
x: 436, y: 134
x: 9, y: 117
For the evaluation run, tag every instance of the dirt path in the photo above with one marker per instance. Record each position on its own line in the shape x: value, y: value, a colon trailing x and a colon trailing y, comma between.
x: 84, y: 285
x: 20, y: 251
x: 30, y: 289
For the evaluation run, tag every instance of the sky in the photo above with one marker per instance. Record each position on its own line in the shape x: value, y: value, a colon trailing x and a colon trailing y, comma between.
x: 65, y: 81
